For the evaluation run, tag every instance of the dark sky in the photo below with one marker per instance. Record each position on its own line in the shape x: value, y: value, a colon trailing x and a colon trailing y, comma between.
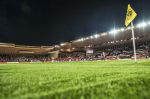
x: 48, y: 22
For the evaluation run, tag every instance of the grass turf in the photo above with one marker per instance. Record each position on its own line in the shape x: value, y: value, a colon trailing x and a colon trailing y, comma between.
x: 76, y: 80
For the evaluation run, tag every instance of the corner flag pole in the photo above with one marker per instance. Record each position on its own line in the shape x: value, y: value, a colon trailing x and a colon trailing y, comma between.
x: 131, y: 15
x: 133, y: 38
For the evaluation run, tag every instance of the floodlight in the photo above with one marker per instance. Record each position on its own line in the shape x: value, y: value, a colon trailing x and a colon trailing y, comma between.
x: 96, y: 35
x: 82, y: 39
x: 114, y: 31
x: 91, y: 37
x: 79, y: 40
x: 62, y: 44
x: 122, y: 29
x: 103, y: 34
x: 143, y: 24
x: 87, y: 38
x: 129, y: 28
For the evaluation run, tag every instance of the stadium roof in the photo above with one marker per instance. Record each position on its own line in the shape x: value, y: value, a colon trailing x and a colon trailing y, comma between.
x: 7, y: 48
x: 115, y: 36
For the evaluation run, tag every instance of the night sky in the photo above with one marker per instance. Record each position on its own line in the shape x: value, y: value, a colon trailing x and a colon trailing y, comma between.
x: 49, y: 22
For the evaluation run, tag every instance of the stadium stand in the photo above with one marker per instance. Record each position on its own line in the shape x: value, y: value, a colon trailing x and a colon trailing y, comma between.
x: 22, y: 53
x: 103, y: 46
x: 108, y: 46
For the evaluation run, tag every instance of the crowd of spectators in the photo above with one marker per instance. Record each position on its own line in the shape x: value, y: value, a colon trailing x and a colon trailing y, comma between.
x: 8, y: 58
x: 143, y: 52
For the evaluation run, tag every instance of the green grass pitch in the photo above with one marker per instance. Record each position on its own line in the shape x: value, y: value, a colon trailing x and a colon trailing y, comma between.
x: 76, y: 80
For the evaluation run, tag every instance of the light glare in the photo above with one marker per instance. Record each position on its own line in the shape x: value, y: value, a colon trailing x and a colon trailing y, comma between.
x: 96, y: 35
x: 143, y: 24
x: 113, y: 31
x: 103, y: 34
x: 91, y: 37
x: 86, y: 38
x: 129, y: 28
x: 122, y: 29
x: 62, y: 44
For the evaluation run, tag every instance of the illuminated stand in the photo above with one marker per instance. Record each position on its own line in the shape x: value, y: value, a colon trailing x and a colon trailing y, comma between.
x: 115, y: 32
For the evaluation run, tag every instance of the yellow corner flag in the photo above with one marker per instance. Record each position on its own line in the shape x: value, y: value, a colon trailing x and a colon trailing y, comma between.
x: 131, y: 15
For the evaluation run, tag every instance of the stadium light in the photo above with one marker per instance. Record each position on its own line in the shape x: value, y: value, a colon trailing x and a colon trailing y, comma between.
x: 129, y: 28
x: 143, y: 24
x: 103, y: 34
x: 114, y: 31
x: 96, y: 35
x: 79, y: 40
x: 62, y: 44
x: 91, y: 37
x: 122, y: 29
x: 86, y: 38
x: 82, y: 39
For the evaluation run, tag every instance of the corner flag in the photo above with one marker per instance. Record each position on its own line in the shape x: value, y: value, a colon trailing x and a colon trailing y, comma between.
x: 131, y: 15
